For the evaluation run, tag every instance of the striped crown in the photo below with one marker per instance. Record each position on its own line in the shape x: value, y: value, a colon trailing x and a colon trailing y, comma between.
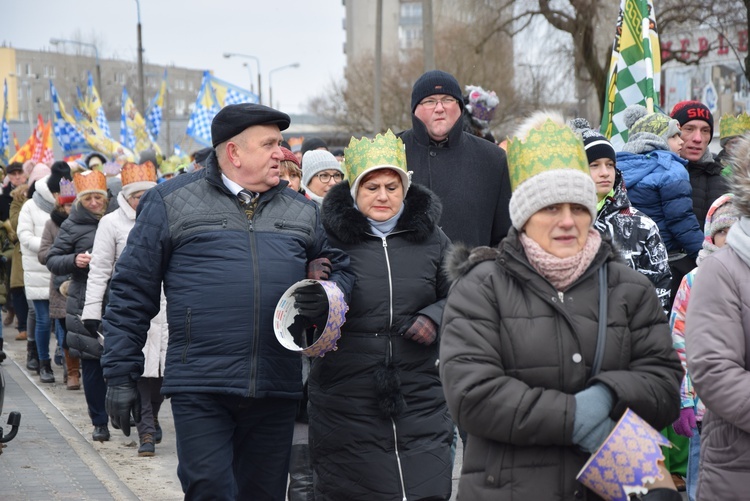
x: 132, y: 173
x: 90, y: 180
x: 547, y: 147
x: 385, y: 149
x: 734, y: 126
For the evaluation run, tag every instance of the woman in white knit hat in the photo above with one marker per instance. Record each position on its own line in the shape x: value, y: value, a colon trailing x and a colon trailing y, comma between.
x: 320, y: 172
x: 531, y: 369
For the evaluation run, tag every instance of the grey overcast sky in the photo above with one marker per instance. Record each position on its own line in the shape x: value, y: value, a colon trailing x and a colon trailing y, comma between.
x: 195, y: 34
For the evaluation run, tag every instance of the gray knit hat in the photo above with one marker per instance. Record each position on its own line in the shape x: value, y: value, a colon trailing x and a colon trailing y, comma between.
x: 547, y: 166
x: 638, y: 119
x: 315, y: 161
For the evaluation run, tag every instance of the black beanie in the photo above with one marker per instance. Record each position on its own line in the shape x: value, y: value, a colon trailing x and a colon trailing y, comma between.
x: 58, y: 171
x: 312, y: 143
x: 435, y: 82
x: 595, y: 144
x: 685, y: 111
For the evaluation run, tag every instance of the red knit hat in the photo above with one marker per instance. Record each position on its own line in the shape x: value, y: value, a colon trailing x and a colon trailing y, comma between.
x: 685, y: 111
x: 290, y: 157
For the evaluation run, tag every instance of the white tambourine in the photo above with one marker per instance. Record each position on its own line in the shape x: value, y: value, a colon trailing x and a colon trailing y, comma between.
x: 286, y: 311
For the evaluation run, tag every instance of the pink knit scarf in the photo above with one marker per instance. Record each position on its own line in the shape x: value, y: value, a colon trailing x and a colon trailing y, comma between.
x: 561, y: 272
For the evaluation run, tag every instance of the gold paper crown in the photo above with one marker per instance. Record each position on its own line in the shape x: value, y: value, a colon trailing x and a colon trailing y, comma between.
x: 385, y: 149
x: 132, y: 173
x: 546, y: 147
x: 734, y: 126
x: 90, y: 180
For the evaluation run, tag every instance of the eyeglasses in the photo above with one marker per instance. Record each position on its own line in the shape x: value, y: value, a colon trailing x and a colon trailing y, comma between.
x: 432, y: 103
x: 326, y: 177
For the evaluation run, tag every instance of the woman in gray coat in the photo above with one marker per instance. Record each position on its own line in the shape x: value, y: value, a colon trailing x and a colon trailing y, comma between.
x: 520, y: 333
x: 717, y: 342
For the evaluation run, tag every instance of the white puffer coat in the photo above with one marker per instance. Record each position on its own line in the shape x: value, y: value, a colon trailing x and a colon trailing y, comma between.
x: 31, y: 223
x: 111, y: 237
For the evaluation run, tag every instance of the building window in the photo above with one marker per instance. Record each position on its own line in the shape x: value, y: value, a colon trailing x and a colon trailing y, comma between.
x: 179, y: 107
x: 191, y: 86
x: 18, y: 69
x: 52, y: 72
x: 46, y: 70
x: 180, y: 84
x: 28, y: 70
x: 46, y: 95
x: 411, y: 13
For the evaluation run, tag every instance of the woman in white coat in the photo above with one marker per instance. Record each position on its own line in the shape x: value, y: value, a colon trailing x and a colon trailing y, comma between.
x: 33, y: 216
x: 111, y: 237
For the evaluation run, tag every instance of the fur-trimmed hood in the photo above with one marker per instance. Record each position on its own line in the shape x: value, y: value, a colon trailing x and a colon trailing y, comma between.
x: 422, y: 210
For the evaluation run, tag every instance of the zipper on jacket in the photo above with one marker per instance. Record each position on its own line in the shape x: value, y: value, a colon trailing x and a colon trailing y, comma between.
x: 256, y: 313
x: 187, y: 335
x: 291, y: 225
x: 398, y: 461
x: 390, y: 285
x: 202, y: 222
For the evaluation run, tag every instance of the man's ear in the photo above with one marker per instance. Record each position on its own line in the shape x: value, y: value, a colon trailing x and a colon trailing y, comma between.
x: 232, y: 153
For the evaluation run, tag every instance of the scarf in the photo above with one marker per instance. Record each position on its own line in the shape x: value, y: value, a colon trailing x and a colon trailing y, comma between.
x: 738, y: 238
x: 42, y: 202
x: 561, y: 272
x: 384, y: 228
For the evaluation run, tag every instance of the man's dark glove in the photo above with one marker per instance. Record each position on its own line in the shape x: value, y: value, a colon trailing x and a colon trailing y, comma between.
x: 122, y: 401
x: 319, y: 269
x: 93, y: 327
x: 422, y: 331
x: 311, y: 302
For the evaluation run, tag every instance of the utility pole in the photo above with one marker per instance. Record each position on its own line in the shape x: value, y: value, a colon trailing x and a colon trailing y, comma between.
x: 141, y: 89
x: 428, y: 39
x: 378, y: 118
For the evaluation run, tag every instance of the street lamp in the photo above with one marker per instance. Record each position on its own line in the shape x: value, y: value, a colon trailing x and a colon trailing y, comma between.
x: 257, y: 62
x: 141, y: 89
x: 58, y: 41
x: 250, y: 74
x: 270, y: 74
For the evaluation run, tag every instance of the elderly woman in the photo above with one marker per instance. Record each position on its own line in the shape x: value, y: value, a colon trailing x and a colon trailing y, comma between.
x: 716, y: 337
x: 320, y: 172
x: 71, y: 254
x: 531, y: 371
x: 379, y: 425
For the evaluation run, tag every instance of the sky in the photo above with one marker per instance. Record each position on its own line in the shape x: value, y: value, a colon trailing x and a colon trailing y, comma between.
x: 196, y: 33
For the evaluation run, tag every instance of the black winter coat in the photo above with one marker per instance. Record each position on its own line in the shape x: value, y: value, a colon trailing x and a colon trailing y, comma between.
x: 470, y: 175
x: 76, y: 237
x: 708, y: 185
x: 514, y: 351
x: 379, y: 425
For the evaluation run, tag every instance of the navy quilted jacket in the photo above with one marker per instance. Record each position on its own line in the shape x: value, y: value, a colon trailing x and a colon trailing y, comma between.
x: 658, y: 185
x: 223, y: 275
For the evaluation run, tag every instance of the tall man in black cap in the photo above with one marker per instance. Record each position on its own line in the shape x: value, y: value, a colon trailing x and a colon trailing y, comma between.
x: 226, y: 242
x: 468, y: 173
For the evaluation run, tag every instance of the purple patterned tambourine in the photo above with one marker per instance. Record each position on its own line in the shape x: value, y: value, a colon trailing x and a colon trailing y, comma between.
x: 627, y: 461
x: 285, y: 313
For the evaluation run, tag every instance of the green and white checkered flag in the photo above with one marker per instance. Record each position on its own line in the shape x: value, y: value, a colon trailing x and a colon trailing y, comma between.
x: 635, y: 67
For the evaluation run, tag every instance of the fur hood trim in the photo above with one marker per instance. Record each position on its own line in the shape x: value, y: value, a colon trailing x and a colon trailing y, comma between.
x: 462, y: 259
x: 343, y: 221
x: 740, y: 177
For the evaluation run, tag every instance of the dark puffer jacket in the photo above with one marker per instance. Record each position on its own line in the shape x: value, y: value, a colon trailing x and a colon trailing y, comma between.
x: 708, y: 185
x: 76, y: 237
x: 223, y: 276
x: 636, y: 238
x: 462, y: 168
x: 369, y: 441
x: 514, y: 351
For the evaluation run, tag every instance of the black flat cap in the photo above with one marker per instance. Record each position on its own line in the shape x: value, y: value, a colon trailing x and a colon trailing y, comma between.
x: 233, y: 119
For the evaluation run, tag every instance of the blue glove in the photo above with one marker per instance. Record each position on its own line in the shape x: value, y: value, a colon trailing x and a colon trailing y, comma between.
x: 592, y: 423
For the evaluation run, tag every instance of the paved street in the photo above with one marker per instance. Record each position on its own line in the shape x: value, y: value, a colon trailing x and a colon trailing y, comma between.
x: 53, y: 456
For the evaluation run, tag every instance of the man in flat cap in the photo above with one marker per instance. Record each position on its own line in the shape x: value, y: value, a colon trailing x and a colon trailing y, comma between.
x: 226, y: 242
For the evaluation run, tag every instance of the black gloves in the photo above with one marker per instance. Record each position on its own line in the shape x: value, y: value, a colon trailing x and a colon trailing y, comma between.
x: 93, y: 327
x: 319, y: 269
x: 311, y: 302
x: 120, y: 402
x: 422, y: 331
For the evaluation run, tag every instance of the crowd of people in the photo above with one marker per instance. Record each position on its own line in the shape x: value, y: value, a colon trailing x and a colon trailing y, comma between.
x: 518, y: 298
